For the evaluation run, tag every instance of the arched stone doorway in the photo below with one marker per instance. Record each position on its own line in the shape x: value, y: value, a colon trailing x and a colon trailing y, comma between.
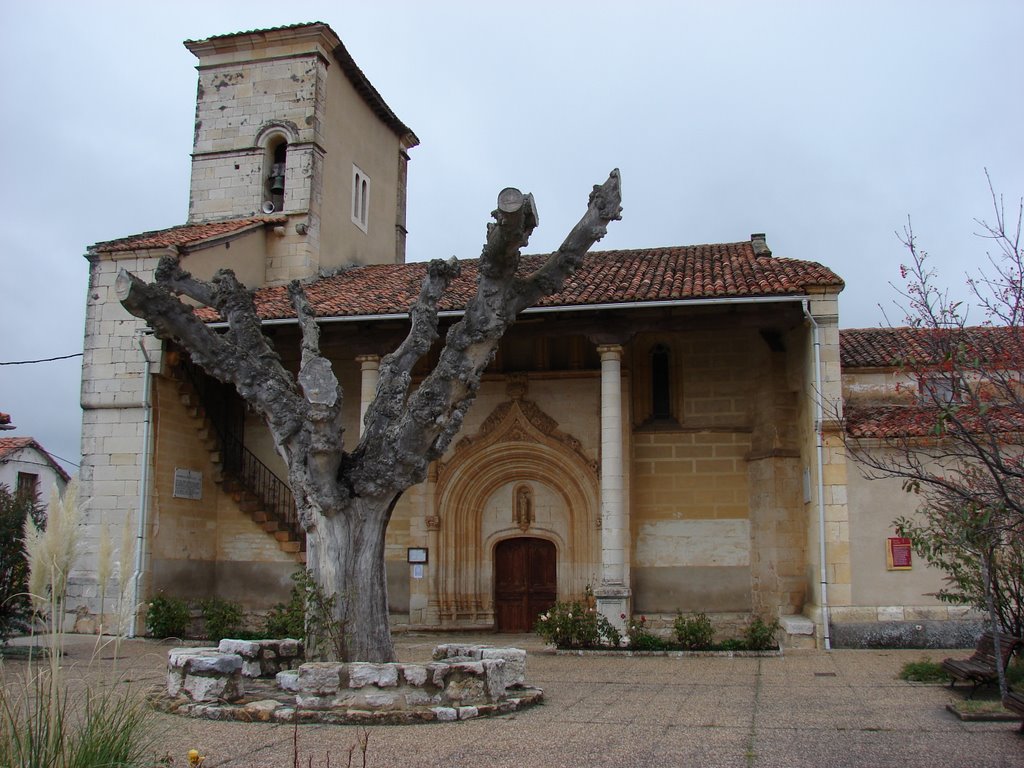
x: 518, y: 454
x: 525, y: 582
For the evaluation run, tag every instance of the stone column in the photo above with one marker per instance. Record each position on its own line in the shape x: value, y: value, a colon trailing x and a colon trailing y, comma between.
x: 369, y: 367
x: 613, y: 592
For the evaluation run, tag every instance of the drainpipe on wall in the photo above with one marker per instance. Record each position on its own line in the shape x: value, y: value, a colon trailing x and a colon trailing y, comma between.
x: 819, y: 417
x: 140, y: 533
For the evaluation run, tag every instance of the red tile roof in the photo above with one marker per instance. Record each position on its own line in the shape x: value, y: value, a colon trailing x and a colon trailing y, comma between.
x: 886, y: 347
x: 894, y: 421
x: 727, y: 270
x: 11, y: 445
x: 185, y: 235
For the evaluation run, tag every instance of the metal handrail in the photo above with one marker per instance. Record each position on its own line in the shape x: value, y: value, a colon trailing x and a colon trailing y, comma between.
x: 241, y: 463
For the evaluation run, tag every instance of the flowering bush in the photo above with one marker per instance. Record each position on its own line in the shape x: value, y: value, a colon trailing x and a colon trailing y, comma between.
x: 574, y: 625
x: 694, y: 633
x: 640, y: 637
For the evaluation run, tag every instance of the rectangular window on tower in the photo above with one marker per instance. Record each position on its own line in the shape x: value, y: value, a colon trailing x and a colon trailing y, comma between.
x: 360, y: 198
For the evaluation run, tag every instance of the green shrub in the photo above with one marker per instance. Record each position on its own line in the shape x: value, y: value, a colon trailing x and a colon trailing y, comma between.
x: 222, y: 618
x: 288, y: 619
x: 15, y: 605
x: 640, y: 637
x: 573, y: 625
x: 694, y: 632
x: 760, y: 634
x: 923, y: 671
x: 167, y: 617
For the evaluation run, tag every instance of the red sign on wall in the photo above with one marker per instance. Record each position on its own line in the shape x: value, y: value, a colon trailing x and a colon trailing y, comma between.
x: 898, y: 554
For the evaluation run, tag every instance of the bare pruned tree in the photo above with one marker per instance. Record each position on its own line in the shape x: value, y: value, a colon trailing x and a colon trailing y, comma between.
x: 960, y: 443
x: 345, y: 498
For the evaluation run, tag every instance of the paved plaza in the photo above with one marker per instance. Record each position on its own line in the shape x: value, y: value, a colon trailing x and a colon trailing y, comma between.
x: 844, y: 708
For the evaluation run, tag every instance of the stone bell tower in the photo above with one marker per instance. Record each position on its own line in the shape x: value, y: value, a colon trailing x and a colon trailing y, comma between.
x: 288, y: 125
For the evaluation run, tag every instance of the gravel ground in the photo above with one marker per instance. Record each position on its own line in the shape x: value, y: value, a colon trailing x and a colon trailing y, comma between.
x: 843, y: 708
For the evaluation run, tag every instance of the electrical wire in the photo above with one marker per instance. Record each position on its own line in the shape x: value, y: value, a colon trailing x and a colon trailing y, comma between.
x: 43, y: 360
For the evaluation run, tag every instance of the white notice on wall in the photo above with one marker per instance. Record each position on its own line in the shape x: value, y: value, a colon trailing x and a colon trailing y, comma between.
x: 188, y: 484
x: 417, y: 571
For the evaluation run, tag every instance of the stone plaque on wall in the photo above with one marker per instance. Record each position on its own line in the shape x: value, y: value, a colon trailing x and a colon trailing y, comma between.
x: 188, y: 484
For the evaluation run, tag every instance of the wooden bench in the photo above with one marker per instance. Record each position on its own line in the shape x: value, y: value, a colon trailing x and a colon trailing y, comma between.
x: 1014, y: 701
x: 980, y: 668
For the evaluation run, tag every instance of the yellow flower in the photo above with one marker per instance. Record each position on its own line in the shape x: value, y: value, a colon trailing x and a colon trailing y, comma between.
x: 194, y: 758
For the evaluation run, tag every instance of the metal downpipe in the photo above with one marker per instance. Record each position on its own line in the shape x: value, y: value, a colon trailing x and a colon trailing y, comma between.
x: 819, y: 417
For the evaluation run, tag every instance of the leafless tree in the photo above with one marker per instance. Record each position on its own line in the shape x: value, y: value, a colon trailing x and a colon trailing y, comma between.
x: 960, y: 444
x: 345, y: 498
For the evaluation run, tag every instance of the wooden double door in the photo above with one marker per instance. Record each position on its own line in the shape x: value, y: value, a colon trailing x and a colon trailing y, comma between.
x: 525, y: 582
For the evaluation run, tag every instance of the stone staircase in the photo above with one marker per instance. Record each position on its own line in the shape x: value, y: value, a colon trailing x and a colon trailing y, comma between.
x: 254, y: 487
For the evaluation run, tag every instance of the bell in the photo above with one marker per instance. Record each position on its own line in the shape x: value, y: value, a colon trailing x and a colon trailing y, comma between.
x: 277, y: 179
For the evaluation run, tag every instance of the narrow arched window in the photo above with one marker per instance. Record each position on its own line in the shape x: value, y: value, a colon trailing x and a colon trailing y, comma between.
x: 275, y: 179
x: 360, y: 198
x: 661, y: 398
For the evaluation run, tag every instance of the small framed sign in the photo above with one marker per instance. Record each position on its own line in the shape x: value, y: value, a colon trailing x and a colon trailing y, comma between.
x: 417, y: 555
x: 898, y: 554
x: 188, y: 484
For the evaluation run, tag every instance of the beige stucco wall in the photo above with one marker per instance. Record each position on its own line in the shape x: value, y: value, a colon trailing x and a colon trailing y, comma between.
x: 354, y: 135
x: 875, y: 505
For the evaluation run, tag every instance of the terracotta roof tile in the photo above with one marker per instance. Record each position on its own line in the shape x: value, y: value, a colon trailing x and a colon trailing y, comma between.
x: 184, y: 235
x: 886, y: 347
x: 726, y: 270
x: 894, y: 421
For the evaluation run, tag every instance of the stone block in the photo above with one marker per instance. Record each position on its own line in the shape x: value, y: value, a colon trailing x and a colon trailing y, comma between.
x: 289, y: 648
x: 464, y: 689
x: 419, y: 698
x: 468, y: 713
x: 494, y: 678
x: 361, y: 674
x: 262, y: 711
x: 890, y: 613
x: 320, y: 677
x: 252, y: 669
x: 445, y: 714
x: 380, y: 700
x: 451, y: 650
x: 414, y: 674
x: 212, y: 688
x: 438, y: 672
x: 515, y: 664
x: 243, y: 648
x: 288, y: 680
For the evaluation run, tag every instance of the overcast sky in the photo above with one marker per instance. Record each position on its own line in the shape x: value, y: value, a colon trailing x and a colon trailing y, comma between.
x: 823, y: 124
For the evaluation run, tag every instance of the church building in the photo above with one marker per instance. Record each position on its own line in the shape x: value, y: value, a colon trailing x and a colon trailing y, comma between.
x: 664, y: 433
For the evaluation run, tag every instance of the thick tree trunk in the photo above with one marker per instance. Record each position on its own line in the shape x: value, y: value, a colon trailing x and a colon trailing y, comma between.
x: 345, y: 557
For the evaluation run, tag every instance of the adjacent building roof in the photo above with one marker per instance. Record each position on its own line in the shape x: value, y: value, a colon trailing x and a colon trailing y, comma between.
x: 9, y: 446
x: 186, y: 235
x: 725, y: 270
x: 894, y: 421
x: 887, y: 347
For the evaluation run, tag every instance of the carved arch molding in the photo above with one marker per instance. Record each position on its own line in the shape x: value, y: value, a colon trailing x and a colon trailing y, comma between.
x: 517, y: 447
